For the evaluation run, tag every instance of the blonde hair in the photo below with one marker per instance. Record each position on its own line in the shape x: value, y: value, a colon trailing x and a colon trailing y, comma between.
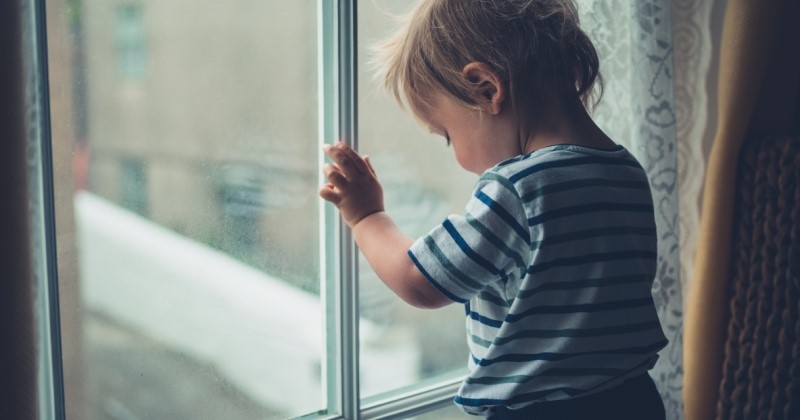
x: 535, y: 46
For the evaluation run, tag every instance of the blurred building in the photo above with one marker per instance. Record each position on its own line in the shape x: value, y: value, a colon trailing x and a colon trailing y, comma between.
x: 202, y: 119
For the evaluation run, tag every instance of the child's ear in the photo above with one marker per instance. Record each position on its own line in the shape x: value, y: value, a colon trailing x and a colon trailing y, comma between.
x: 488, y: 88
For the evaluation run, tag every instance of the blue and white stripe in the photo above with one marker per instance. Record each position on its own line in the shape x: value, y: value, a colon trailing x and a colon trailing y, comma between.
x: 554, y: 259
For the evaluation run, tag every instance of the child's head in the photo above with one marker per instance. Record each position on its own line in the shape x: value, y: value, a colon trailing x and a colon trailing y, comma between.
x: 534, y: 46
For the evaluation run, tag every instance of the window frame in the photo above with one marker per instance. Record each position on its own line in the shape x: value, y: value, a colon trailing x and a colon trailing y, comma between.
x: 338, y: 77
x: 339, y: 277
x: 50, y: 371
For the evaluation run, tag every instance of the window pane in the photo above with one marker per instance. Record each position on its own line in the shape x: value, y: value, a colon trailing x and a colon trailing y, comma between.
x: 186, y: 137
x: 422, y: 184
x: 450, y: 412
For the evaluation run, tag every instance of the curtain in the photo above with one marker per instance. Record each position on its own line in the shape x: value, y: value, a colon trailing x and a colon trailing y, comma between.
x: 655, y: 56
x: 692, y: 24
x: 757, y: 84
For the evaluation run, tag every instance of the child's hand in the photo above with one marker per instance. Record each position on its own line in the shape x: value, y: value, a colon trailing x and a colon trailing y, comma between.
x: 352, y: 185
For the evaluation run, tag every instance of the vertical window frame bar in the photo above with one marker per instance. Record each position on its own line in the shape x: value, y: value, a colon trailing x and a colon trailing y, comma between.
x: 50, y: 376
x: 339, y: 256
x: 329, y: 240
x: 328, y: 236
x: 348, y: 281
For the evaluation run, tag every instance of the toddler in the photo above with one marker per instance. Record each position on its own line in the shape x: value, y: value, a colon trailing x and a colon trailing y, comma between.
x: 555, y: 254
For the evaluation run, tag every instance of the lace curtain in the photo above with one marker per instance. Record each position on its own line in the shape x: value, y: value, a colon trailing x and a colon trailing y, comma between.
x: 655, y: 55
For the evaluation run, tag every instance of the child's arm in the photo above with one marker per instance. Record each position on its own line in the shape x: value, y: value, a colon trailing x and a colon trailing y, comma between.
x: 355, y: 190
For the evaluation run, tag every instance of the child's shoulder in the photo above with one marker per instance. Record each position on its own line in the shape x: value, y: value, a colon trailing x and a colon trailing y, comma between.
x: 560, y: 156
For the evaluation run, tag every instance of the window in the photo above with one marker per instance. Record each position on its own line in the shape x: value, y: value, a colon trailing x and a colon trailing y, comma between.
x: 185, y: 265
x: 422, y: 184
x: 133, y: 186
x: 199, y: 273
x: 130, y: 41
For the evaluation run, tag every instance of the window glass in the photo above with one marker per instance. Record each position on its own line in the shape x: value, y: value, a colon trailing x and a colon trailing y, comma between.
x: 187, y: 141
x: 422, y: 184
x: 449, y: 412
x: 129, y: 35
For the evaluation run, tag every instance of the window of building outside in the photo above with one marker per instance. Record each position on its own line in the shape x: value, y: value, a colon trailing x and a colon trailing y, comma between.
x: 129, y: 34
x: 190, y: 236
x: 133, y: 188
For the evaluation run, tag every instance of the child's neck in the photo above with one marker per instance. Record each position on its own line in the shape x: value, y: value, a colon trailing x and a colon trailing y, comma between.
x: 568, y: 124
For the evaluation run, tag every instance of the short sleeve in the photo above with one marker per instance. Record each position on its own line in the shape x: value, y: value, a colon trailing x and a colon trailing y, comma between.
x: 489, y: 243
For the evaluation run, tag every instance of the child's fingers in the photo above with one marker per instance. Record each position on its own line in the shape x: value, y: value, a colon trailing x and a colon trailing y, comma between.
x: 330, y: 151
x: 342, y: 160
x: 334, y: 176
x: 349, y: 158
x: 369, y: 165
x: 328, y: 193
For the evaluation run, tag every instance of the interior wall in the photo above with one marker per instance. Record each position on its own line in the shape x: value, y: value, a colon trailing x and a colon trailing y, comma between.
x: 18, y: 385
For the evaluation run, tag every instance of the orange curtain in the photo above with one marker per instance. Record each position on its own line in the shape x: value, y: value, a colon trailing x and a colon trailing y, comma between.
x: 757, y: 94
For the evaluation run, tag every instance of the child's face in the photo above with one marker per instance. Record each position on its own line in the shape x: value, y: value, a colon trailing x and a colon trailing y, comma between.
x: 480, y: 140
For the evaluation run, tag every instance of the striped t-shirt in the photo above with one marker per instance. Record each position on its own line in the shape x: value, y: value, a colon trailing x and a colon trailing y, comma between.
x: 554, y: 260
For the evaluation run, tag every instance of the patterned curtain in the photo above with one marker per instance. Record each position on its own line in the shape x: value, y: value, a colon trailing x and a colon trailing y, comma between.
x: 654, y: 59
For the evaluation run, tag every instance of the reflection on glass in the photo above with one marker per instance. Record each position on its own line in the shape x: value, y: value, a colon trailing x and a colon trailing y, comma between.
x: 193, y: 133
x: 422, y: 184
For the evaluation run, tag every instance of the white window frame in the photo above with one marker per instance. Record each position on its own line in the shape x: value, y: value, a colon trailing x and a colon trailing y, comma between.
x: 338, y: 119
x: 338, y: 81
